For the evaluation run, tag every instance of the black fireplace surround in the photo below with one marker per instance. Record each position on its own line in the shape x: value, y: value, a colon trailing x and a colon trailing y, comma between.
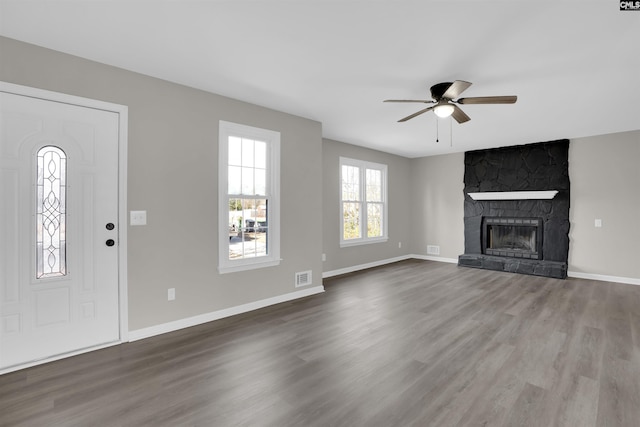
x: 520, y: 236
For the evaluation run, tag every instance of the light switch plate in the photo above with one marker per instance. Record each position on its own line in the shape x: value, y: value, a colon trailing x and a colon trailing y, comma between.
x: 138, y: 217
x: 598, y: 223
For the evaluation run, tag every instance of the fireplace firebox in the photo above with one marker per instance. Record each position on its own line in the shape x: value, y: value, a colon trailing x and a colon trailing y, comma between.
x: 512, y: 237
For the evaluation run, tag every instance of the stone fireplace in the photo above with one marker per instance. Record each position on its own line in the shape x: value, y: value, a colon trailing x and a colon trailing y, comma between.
x: 516, y: 209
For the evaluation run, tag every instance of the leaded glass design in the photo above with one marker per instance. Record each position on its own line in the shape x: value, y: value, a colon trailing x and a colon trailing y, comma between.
x: 51, y: 213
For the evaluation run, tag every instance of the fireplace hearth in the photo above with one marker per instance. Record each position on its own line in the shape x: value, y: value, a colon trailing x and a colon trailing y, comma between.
x: 529, y: 236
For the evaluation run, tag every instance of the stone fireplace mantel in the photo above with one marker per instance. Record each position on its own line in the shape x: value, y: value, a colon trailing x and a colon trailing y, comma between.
x: 514, y: 195
x: 513, y: 186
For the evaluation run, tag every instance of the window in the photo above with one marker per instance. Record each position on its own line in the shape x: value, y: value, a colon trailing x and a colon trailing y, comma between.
x: 248, y: 197
x: 363, y: 202
x: 51, y: 213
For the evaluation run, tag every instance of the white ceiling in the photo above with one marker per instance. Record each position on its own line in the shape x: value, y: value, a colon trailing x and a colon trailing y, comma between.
x: 574, y: 64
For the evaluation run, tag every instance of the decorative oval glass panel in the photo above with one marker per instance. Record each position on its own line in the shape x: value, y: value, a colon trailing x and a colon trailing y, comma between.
x: 51, y: 212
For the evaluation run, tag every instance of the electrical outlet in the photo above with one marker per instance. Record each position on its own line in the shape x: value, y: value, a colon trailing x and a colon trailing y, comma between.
x: 598, y: 222
x: 324, y: 257
x: 399, y: 245
x: 171, y: 294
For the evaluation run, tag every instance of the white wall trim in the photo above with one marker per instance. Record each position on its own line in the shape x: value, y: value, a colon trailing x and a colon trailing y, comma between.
x: 604, y: 278
x: 577, y: 275
x: 272, y: 141
x: 435, y: 258
x: 151, y: 331
x: 326, y: 274
x: 57, y: 357
x: 362, y: 166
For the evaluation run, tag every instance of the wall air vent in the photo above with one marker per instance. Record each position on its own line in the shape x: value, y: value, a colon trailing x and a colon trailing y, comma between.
x: 433, y: 250
x: 303, y: 278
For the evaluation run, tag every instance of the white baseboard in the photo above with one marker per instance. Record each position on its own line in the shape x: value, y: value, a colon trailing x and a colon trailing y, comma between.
x: 359, y: 267
x: 327, y: 274
x: 151, y: 331
x: 57, y: 357
x: 604, y: 278
x: 577, y: 275
x: 434, y: 258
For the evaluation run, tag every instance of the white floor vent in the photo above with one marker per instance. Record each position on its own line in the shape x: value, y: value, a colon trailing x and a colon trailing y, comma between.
x: 303, y: 278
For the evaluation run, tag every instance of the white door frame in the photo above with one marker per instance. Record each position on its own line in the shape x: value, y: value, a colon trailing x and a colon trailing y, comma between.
x: 122, y: 112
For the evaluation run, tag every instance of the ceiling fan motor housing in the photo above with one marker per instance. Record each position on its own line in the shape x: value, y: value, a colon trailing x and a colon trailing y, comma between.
x: 439, y: 89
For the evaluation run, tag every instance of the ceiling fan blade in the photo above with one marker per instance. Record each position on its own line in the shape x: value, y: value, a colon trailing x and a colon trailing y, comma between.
x: 456, y: 89
x: 424, y: 101
x: 416, y: 114
x: 489, y: 100
x: 459, y: 115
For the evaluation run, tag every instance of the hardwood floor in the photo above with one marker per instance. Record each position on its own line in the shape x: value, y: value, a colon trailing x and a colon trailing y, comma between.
x: 415, y: 343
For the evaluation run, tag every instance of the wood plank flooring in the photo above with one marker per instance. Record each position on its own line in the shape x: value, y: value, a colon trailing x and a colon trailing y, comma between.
x: 415, y: 343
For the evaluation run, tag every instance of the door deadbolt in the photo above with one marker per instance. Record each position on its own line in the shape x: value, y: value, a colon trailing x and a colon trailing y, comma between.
x: 110, y: 242
x: 110, y: 226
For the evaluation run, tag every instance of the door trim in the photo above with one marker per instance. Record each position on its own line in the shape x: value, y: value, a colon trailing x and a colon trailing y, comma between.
x: 122, y: 111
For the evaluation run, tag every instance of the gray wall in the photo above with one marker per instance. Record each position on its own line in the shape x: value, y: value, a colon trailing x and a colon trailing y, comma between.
x: 605, y: 184
x: 399, y: 206
x: 438, y: 205
x: 172, y: 173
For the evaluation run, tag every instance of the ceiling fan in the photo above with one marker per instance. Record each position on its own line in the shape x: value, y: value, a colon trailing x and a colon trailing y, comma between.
x: 445, y: 97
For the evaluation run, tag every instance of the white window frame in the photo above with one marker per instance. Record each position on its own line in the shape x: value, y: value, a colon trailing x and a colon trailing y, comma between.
x: 363, y: 166
x: 272, y: 139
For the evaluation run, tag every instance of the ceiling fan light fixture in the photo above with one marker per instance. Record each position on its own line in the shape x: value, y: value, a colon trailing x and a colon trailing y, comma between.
x: 443, y: 95
x: 443, y: 110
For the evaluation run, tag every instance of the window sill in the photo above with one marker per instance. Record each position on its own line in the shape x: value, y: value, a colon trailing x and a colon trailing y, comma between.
x: 360, y: 242
x: 234, y: 268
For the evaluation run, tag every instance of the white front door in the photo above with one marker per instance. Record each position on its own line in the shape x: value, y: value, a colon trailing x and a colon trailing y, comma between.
x: 59, y: 228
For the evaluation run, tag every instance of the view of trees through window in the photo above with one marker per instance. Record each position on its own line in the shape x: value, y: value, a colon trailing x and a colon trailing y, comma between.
x: 351, y: 202
x: 374, y: 202
x: 363, y: 200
